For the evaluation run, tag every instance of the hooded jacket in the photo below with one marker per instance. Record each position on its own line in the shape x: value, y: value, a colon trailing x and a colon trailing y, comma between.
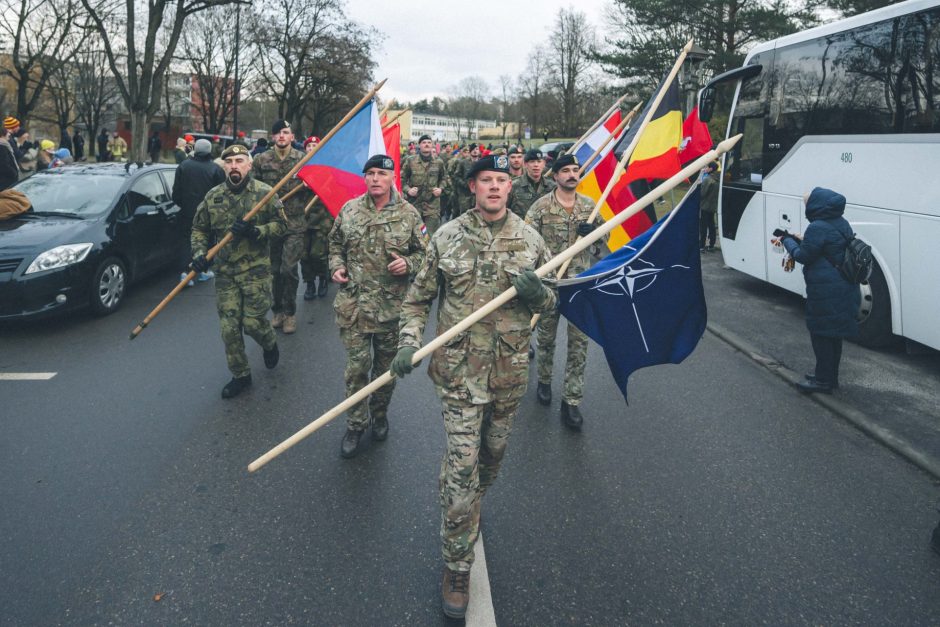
x: 195, y: 177
x: 832, y: 303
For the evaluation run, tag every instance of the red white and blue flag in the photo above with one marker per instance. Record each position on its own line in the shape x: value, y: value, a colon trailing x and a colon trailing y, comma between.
x: 335, y: 172
x: 596, y: 138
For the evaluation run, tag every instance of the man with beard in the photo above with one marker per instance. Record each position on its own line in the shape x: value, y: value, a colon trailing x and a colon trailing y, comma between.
x: 531, y: 186
x: 560, y: 217
x: 423, y: 178
x: 243, y: 271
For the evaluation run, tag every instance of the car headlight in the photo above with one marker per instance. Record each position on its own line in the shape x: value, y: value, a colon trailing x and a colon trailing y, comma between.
x: 59, y: 257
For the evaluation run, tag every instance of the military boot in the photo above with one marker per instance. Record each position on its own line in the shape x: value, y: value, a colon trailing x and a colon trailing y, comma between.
x: 455, y: 593
x: 236, y: 386
x: 350, y: 444
x: 278, y: 320
x: 935, y: 539
x: 271, y: 357
x: 323, y: 285
x: 380, y: 429
x: 311, y: 292
x: 544, y: 393
x: 290, y: 324
x: 571, y: 416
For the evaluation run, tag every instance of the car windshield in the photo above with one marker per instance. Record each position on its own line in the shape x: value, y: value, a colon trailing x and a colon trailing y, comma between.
x: 71, y: 193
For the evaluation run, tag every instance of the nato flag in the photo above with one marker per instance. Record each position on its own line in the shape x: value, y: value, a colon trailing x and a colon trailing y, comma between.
x: 644, y: 304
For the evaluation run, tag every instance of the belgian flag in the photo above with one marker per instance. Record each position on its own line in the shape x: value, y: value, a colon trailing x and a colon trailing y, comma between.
x: 656, y: 155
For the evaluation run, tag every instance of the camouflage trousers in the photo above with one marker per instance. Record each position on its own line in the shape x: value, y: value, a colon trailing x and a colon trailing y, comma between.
x: 243, y: 304
x: 368, y: 356
x: 432, y: 220
x: 577, y: 356
x: 316, y: 253
x: 285, y: 255
x: 477, y: 436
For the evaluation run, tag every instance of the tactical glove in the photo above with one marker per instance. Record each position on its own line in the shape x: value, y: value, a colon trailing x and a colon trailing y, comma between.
x: 529, y: 287
x: 200, y: 263
x: 240, y: 228
x: 585, y: 228
x: 401, y: 364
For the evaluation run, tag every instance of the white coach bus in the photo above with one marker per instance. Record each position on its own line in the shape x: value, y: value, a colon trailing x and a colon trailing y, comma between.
x: 853, y: 106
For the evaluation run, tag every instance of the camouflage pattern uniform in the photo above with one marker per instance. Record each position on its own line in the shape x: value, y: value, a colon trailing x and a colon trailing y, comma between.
x: 525, y: 191
x: 481, y: 374
x: 286, y: 252
x: 425, y: 175
x: 243, y: 268
x: 463, y: 199
x: 315, y: 261
x: 560, y: 230
x: 367, y: 308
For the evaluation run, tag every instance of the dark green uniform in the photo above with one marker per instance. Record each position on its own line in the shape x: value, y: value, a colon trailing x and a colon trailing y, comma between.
x: 525, y: 191
x: 425, y: 175
x: 463, y: 199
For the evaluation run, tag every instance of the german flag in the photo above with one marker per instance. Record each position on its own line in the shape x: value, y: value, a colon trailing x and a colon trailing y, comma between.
x: 656, y: 155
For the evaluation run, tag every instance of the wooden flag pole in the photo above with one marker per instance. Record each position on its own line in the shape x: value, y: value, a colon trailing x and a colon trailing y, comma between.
x: 622, y: 165
x: 310, y: 204
x: 384, y: 111
x: 261, y: 203
x: 610, y: 138
x: 395, y: 118
x: 596, y: 124
x: 502, y: 299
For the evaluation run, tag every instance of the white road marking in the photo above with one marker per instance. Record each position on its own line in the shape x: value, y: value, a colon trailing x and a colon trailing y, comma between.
x: 27, y: 376
x: 480, y: 610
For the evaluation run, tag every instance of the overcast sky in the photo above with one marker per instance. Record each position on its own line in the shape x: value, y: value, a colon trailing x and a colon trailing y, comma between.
x: 431, y: 45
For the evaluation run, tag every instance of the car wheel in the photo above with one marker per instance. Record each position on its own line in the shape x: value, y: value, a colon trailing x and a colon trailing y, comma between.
x: 108, y: 286
x: 874, y: 315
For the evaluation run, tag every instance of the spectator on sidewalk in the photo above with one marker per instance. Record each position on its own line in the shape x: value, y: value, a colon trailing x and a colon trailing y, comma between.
x: 708, y: 207
x: 194, y: 178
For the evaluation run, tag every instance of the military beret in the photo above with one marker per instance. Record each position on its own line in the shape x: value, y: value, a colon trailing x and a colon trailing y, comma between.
x: 383, y: 162
x: 565, y: 160
x: 516, y: 150
x: 493, y: 163
x: 424, y: 137
x: 278, y: 126
x: 234, y: 150
x: 472, y: 146
x: 533, y: 154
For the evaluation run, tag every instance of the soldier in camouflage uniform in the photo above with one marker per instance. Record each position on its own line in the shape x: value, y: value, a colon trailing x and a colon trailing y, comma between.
x: 531, y: 186
x: 463, y: 199
x: 270, y: 167
x: 516, y: 154
x: 423, y: 178
x: 560, y: 217
x: 377, y: 243
x: 243, y: 271
x: 315, y: 264
x: 481, y: 374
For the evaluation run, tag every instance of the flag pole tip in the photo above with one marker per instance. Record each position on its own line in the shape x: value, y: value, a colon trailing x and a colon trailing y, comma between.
x: 729, y: 143
x: 688, y: 46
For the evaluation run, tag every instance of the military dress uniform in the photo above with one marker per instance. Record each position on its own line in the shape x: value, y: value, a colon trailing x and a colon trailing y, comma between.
x: 315, y: 261
x: 481, y: 374
x: 243, y: 268
x: 367, y: 307
x: 559, y: 230
x: 425, y: 174
x: 270, y: 167
x: 525, y: 191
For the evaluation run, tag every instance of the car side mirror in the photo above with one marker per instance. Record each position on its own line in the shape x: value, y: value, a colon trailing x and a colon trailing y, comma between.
x: 706, y: 104
x: 146, y: 210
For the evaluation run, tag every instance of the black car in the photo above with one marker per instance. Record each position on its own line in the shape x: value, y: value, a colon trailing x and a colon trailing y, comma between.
x: 92, y: 230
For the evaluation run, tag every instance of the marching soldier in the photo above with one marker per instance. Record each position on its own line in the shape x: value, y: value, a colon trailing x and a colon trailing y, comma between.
x: 315, y: 262
x: 243, y: 272
x: 270, y: 167
x: 531, y: 186
x: 423, y: 178
x: 560, y: 217
x: 515, y: 161
x: 481, y: 374
x: 463, y: 197
x: 377, y: 244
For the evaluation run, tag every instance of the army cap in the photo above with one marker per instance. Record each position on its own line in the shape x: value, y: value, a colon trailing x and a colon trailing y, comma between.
x: 234, y: 150
x: 278, y: 126
x: 516, y: 150
x: 492, y: 163
x: 533, y: 154
x: 424, y: 137
x: 383, y: 162
x: 563, y: 161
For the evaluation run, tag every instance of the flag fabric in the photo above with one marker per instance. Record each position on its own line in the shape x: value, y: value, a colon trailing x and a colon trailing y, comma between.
x: 656, y: 155
x: 696, y: 140
x: 644, y: 304
x: 597, y: 137
x: 392, y: 139
x: 334, y: 173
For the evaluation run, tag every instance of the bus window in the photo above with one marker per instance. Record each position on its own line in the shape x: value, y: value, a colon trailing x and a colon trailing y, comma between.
x: 920, y: 77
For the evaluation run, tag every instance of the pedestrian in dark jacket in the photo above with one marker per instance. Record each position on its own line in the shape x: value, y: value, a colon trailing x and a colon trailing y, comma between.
x: 832, y: 303
x: 78, y: 142
x: 103, y: 153
x: 708, y: 207
x: 194, y: 177
x: 154, y: 146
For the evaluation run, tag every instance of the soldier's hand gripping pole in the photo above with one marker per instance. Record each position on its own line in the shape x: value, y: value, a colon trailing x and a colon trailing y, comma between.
x: 503, y: 298
x: 261, y: 203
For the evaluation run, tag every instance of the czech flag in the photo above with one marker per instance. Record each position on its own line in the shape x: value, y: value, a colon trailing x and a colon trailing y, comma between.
x: 335, y: 171
x: 392, y: 138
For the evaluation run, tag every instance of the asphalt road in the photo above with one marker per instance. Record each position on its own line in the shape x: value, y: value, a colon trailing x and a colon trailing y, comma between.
x: 719, y: 495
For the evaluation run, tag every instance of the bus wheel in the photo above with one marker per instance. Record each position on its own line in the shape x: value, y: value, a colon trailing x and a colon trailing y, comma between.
x: 874, y: 315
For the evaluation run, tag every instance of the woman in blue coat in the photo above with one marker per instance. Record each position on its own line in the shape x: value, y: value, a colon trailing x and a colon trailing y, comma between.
x: 832, y: 303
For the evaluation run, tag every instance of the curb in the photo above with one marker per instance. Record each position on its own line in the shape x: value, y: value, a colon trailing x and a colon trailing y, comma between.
x: 858, y: 419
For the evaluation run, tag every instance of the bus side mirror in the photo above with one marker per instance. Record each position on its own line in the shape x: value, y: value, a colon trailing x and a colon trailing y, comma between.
x: 706, y: 104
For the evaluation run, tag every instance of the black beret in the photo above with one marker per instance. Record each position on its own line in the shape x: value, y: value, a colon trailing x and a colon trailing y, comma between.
x: 383, y: 162
x: 516, y: 150
x: 564, y: 160
x: 494, y: 163
x: 424, y: 137
x: 472, y: 146
x: 278, y: 126
x: 533, y: 154
x: 235, y: 150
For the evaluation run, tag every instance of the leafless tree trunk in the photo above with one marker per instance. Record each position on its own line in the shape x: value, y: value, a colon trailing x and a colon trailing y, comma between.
x: 208, y: 50
x: 95, y: 89
x: 574, y: 41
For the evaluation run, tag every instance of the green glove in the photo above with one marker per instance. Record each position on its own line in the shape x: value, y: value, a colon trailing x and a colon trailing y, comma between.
x: 529, y: 287
x: 401, y: 364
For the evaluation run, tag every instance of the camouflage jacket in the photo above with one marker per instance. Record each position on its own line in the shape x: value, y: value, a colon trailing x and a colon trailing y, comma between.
x: 219, y: 210
x: 490, y: 360
x: 269, y: 168
x: 362, y: 240
x: 461, y: 167
x: 559, y: 229
x: 525, y: 191
x: 415, y: 172
x: 318, y: 217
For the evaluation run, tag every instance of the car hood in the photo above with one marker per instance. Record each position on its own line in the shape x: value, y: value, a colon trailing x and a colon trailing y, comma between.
x: 35, y: 235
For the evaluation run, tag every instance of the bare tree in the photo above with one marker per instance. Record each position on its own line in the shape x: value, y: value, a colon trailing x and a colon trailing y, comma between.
x: 533, y: 88
x: 208, y: 49
x: 468, y: 101
x: 574, y: 42
x: 96, y: 90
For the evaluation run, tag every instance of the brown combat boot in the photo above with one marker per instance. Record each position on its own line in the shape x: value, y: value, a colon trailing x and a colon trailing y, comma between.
x: 277, y: 320
x: 290, y: 324
x: 455, y: 593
